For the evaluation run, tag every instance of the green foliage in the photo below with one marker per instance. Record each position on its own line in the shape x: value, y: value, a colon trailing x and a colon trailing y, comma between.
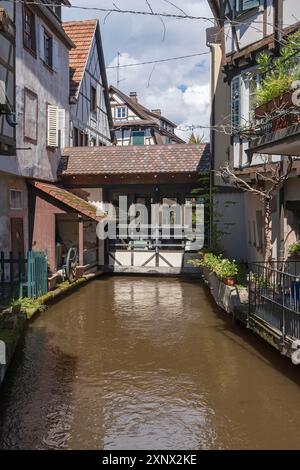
x: 205, y: 192
x: 280, y: 73
x: 294, y: 248
x: 26, y: 304
x: 222, y: 267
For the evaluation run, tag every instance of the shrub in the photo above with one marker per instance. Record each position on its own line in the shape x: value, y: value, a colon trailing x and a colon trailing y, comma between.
x: 278, y: 74
x: 294, y: 248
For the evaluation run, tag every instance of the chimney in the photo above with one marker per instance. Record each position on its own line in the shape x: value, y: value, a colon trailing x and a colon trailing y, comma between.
x: 133, y: 96
x: 156, y: 111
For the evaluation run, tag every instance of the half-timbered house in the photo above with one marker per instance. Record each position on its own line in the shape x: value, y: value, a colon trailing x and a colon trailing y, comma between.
x: 136, y: 125
x: 91, y: 120
x: 244, y: 30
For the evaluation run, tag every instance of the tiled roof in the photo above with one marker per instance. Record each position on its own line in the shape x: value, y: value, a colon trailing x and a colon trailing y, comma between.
x: 144, y: 159
x: 82, y: 34
x: 71, y: 200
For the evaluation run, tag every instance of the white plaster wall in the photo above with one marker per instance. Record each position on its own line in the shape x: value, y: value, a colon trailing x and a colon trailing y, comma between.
x: 52, y: 88
x: 229, y: 209
x: 291, y: 12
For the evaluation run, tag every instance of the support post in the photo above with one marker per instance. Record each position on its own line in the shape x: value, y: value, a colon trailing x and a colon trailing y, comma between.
x: 80, y: 240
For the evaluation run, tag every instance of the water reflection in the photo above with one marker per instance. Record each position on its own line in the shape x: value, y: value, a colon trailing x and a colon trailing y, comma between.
x: 146, y: 363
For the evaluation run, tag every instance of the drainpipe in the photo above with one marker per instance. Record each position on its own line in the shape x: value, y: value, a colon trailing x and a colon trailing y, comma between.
x: 212, y: 142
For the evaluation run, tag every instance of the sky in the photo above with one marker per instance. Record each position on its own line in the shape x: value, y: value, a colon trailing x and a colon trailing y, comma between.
x: 179, y: 88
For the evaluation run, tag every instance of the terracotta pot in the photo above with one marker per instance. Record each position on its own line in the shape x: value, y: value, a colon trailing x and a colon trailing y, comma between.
x: 230, y: 281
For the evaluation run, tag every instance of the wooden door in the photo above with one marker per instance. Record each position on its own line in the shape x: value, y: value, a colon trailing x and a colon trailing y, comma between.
x: 17, y: 237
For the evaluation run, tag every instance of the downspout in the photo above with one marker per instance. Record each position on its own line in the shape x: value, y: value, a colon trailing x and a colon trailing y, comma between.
x: 212, y: 144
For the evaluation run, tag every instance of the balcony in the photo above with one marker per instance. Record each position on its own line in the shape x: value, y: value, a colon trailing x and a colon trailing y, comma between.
x: 279, y: 121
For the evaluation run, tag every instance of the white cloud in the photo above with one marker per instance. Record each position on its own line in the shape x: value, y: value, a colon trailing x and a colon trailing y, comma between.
x: 139, y: 39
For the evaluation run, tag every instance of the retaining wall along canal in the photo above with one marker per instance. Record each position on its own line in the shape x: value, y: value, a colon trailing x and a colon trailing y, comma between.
x: 235, y: 301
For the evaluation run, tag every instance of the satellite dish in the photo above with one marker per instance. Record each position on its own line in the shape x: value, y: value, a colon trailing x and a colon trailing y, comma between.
x: 296, y: 357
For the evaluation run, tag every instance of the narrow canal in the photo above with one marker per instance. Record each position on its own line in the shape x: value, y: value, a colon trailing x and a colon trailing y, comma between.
x: 146, y: 363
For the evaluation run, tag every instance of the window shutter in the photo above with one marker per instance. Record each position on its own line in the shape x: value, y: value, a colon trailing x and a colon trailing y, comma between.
x: 62, y: 127
x: 52, y: 130
x: 235, y: 102
x: 55, y: 55
x: 42, y: 42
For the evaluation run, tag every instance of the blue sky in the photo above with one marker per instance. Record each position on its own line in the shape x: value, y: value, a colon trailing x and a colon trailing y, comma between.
x: 179, y: 88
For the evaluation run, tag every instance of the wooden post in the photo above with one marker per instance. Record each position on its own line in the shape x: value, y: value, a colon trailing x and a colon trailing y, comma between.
x: 80, y: 240
x: 11, y: 274
x: 2, y: 267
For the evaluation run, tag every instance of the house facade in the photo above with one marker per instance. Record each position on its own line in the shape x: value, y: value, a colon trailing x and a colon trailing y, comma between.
x: 245, y: 30
x: 34, y: 127
x: 90, y: 112
x: 136, y: 125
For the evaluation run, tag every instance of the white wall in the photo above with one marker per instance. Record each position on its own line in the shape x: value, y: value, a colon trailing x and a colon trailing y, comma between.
x: 96, y: 126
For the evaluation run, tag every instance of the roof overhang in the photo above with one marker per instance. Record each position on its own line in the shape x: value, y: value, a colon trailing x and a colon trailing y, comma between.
x: 282, y: 142
x: 68, y: 199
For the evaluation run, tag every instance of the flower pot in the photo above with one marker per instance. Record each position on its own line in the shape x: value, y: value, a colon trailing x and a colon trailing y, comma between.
x: 282, y: 102
x: 229, y: 281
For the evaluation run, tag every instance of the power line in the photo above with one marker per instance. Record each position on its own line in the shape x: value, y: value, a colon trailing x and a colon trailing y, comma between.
x: 158, y: 61
x: 119, y: 10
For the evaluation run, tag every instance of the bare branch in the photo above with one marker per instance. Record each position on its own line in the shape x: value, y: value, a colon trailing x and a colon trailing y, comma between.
x: 175, y: 6
x: 161, y: 20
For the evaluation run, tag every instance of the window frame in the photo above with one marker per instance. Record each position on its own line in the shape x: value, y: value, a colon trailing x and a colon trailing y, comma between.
x: 33, y: 47
x: 34, y: 95
x: 240, y: 7
x: 93, y: 100
x: 137, y: 132
x: 48, y: 37
x: 12, y: 190
x: 120, y: 108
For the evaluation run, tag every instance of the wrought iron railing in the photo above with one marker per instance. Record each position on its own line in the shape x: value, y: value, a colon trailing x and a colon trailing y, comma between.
x: 274, y: 296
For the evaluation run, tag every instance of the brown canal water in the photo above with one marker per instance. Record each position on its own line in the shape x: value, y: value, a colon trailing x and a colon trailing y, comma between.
x: 146, y: 363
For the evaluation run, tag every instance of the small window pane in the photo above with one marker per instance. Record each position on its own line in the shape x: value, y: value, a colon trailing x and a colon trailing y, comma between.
x: 15, y: 199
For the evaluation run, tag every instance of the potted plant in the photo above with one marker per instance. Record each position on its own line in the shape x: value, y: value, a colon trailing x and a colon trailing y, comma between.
x: 227, y: 271
x: 294, y: 249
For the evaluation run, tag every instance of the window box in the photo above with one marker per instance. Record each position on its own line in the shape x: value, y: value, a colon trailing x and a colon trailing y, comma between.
x: 283, y: 102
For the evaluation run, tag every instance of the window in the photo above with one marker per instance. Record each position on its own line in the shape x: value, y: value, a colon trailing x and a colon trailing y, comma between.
x: 93, y: 142
x: 93, y: 100
x: 29, y: 37
x: 47, y: 49
x: 245, y: 5
x: 138, y: 138
x: 30, y: 116
x: 121, y: 112
x: 16, y: 199
x: 235, y: 103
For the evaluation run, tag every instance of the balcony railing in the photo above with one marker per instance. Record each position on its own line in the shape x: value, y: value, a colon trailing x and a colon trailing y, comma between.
x: 274, y: 296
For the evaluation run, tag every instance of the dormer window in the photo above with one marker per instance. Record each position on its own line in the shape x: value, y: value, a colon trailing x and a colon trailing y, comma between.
x: 121, y: 112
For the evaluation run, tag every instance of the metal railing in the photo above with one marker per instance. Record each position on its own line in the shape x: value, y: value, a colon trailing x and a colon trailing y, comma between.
x: 274, y: 296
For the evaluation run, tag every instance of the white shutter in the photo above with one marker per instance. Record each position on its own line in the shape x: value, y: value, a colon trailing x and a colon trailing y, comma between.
x: 52, y: 129
x: 55, y: 55
x: 42, y: 42
x: 62, y: 127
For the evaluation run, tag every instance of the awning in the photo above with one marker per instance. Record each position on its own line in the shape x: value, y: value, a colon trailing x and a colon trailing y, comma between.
x: 68, y: 199
x: 282, y: 142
